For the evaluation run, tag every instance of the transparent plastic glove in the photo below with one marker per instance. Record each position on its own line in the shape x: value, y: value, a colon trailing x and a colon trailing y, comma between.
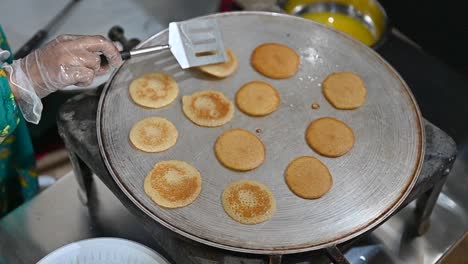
x: 67, y: 60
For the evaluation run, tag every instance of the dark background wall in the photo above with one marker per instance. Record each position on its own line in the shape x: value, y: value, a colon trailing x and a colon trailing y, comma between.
x: 440, y: 27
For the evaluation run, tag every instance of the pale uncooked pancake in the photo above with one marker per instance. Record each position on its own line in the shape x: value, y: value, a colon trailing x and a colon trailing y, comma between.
x: 153, y: 134
x: 345, y: 90
x: 225, y: 69
x: 240, y: 150
x: 249, y: 202
x: 275, y: 61
x: 308, y: 178
x: 258, y: 98
x: 330, y: 137
x: 173, y: 184
x: 208, y: 108
x: 154, y: 90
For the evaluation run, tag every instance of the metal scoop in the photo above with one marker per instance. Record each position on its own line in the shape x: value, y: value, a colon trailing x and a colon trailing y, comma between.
x: 193, y: 43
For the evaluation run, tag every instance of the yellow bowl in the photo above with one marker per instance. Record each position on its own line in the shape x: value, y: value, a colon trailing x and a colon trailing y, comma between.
x: 365, y: 20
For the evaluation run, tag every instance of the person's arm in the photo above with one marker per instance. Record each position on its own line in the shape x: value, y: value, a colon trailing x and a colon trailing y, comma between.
x: 67, y: 60
x: 9, y: 112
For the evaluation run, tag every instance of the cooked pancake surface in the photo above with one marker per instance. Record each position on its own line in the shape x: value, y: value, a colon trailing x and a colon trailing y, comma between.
x: 275, y: 61
x: 173, y: 184
x: 308, y: 178
x: 153, y: 134
x: 240, y: 150
x: 258, y: 98
x: 154, y: 90
x: 345, y: 90
x: 208, y: 108
x: 249, y: 202
x: 222, y: 70
x: 330, y: 137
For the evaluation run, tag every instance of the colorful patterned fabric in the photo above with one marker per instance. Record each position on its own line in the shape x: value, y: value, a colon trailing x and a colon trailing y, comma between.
x: 18, y: 178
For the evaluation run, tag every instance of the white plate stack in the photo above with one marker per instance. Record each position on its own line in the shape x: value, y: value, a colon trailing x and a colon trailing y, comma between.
x: 104, y: 251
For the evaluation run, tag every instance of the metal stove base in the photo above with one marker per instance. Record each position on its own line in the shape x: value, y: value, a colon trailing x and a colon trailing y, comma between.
x: 57, y: 217
x: 77, y: 127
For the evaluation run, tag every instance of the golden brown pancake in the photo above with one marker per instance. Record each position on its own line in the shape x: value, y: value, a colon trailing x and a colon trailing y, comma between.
x: 330, y: 137
x: 153, y: 134
x: 240, y: 150
x: 258, y: 98
x: 154, y: 90
x: 275, y: 61
x: 222, y: 70
x: 249, y: 202
x: 208, y: 108
x: 173, y: 184
x: 345, y: 90
x: 308, y: 178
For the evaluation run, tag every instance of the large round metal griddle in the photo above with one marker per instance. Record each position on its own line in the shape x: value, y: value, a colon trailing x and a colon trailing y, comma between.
x: 370, y: 182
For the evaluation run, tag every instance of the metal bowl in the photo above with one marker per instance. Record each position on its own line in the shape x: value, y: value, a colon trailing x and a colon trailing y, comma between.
x: 369, y: 12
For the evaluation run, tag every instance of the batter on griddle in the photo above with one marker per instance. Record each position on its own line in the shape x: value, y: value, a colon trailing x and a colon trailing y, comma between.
x: 222, y: 70
x: 173, y: 184
x: 249, y: 202
x: 154, y: 90
x: 258, y: 98
x: 308, y: 178
x: 330, y: 137
x: 240, y: 150
x: 345, y: 90
x: 154, y: 134
x: 275, y: 61
x: 208, y: 108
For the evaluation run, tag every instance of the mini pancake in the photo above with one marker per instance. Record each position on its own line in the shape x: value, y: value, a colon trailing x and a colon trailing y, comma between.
x: 330, y: 137
x: 154, y: 90
x: 173, y: 184
x: 258, y: 99
x: 240, y: 150
x: 222, y: 70
x: 249, y: 202
x: 153, y: 134
x: 275, y: 61
x: 345, y: 90
x: 308, y: 178
x: 208, y: 108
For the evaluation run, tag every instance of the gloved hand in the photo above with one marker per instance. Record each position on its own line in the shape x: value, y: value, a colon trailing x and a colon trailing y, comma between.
x: 67, y: 60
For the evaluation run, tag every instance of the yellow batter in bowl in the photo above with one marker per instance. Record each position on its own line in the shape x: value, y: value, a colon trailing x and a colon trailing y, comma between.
x: 345, y: 24
x: 365, y: 20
